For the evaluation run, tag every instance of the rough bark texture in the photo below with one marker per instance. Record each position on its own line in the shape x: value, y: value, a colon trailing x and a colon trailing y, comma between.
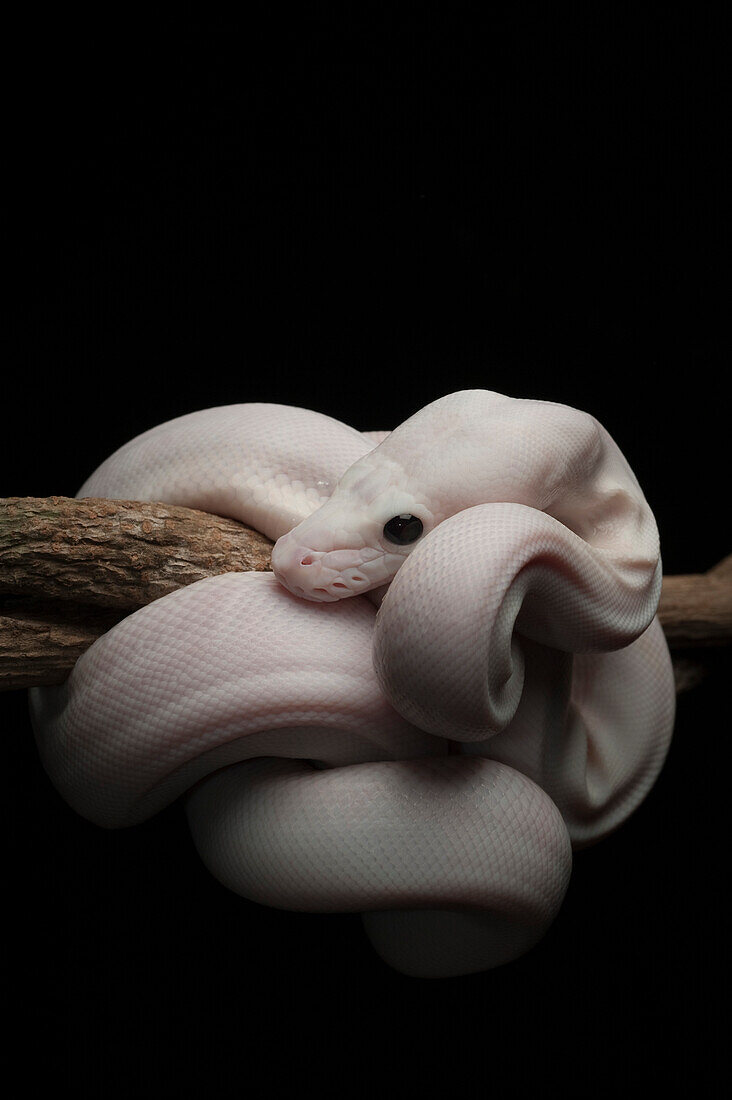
x: 696, y: 609
x: 116, y: 553
x: 70, y: 569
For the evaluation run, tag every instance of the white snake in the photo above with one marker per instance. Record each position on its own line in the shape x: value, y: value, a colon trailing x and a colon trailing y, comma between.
x: 430, y: 765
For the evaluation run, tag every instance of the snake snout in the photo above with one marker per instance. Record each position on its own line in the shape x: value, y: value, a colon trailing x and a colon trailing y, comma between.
x: 320, y: 575
x: 298, y: 568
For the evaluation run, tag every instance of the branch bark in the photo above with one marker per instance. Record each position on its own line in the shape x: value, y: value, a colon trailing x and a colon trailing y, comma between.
x: 70, y: 569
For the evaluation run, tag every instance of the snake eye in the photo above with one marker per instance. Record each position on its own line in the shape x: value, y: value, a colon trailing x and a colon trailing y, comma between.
x: 403, y: 529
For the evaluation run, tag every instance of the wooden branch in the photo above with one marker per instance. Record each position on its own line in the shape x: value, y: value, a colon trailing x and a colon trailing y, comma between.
x: 70, y: 569
x: 696, y: 608
x: 117, y: 553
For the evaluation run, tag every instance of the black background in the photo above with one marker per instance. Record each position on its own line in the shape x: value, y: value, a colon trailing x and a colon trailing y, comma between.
x: 358, y: 214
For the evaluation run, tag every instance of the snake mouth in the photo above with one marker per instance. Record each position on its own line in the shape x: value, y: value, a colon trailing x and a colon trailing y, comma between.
x: 318, y: 595
x: 326, y: 592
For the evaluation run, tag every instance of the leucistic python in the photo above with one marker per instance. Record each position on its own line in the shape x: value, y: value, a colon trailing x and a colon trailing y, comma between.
x: 431, y: 764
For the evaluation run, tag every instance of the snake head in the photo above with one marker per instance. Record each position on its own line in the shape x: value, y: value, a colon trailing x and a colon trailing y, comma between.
x: 358, y: 539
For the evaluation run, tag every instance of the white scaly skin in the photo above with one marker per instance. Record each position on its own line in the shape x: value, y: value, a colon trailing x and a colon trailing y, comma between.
x: 539, y: 552
x: 518, y: 629
x: 469, y: 448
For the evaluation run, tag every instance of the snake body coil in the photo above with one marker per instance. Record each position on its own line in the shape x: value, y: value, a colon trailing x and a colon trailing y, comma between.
x: 430, y: 764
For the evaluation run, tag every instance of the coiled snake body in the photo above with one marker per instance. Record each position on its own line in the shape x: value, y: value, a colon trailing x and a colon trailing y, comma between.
x: 430, y: 765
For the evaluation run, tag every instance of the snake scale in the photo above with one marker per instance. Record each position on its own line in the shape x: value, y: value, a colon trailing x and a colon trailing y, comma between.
x: 452, y: 678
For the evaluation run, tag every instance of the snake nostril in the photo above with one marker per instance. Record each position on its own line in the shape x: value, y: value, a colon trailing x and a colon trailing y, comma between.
x: 306, y: 560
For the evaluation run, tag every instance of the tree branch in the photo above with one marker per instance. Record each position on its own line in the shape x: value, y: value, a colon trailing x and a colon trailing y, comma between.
x: 70, y: 569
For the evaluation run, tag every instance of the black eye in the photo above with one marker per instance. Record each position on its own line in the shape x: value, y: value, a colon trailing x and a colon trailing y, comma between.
x: 403, y: 529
